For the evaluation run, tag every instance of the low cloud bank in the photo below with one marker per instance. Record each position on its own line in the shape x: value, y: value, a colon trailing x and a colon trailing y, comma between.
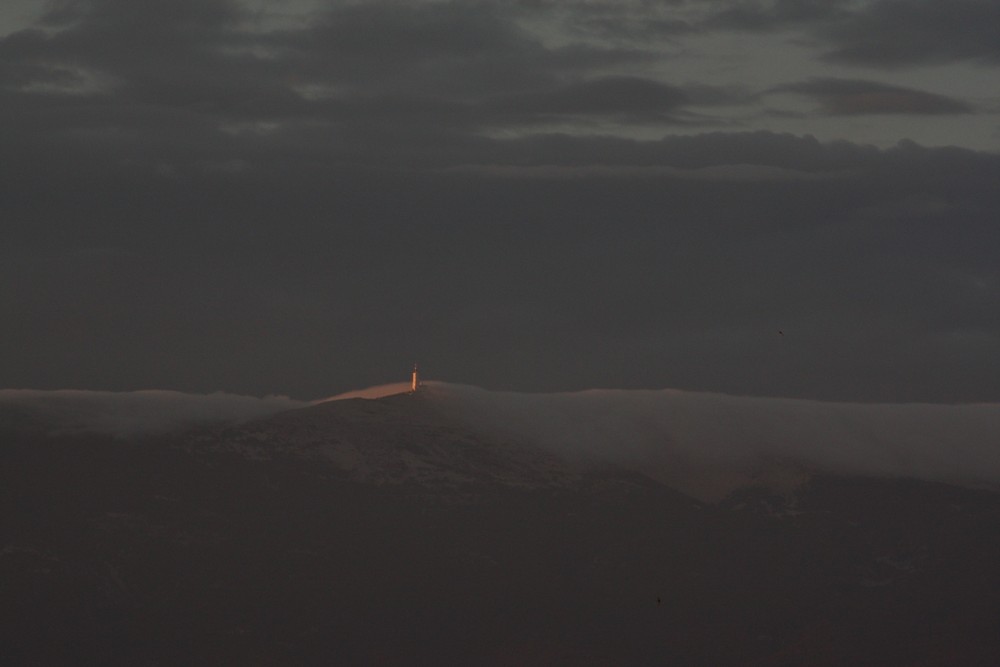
x: 131, y: 413
x: 707, y: 444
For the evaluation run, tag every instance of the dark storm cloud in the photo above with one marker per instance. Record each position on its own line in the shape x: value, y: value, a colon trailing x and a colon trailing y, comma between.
x: 422, y: 62
x: 742, y: 15
x: 193, y: 15
x: 620, y: 96
x: 152, y: 38
x: 880, y: 270
x: 369, y: 82
x: 185, y: 55
x: 451, y: 49
x: 877, y: 32
x: 624, y: 20
x: 441, y: 46
x: 902, y: 32
x: 871, y: 32
x: 201, y: 202
x: 691, y: 153
x: 852, y: 97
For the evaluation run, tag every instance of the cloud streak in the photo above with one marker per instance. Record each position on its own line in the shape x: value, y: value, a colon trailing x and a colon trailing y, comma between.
x: 854, y: 97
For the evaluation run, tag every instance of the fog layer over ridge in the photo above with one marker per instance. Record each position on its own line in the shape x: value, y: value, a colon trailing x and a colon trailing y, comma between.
x: 131, y: 413
x: 707, y: 444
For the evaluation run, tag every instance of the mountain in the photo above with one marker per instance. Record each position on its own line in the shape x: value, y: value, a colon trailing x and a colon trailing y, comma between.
x: 457, y: 526
x: 398, y: 439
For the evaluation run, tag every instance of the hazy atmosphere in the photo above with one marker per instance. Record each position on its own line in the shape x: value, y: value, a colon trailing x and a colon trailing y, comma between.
x: 789, y: 198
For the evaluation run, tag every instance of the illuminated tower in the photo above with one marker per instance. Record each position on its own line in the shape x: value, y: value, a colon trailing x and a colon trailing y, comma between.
x: 415, y: 381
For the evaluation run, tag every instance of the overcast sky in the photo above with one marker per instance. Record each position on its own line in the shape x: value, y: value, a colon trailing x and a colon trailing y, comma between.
x: 792, y: 198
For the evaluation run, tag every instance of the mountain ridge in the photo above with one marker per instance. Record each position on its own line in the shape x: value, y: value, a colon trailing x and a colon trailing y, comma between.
x: 399, y: 531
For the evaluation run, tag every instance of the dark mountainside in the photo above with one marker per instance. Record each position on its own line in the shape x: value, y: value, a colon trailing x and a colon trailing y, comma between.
x: 364, y: 532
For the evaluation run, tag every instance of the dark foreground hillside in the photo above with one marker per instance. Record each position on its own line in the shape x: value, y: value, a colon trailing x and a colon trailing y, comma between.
x: 377, y: 532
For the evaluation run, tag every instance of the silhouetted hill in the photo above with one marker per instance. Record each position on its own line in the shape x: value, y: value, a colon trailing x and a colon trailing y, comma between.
x: 392, y: 531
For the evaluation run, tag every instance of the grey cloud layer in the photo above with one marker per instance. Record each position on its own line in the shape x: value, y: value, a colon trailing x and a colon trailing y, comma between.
x: 901, y: 32
x: 667, y: 266
x: 887, y: 33
x: 197, y: 198
x: 458, y: 63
